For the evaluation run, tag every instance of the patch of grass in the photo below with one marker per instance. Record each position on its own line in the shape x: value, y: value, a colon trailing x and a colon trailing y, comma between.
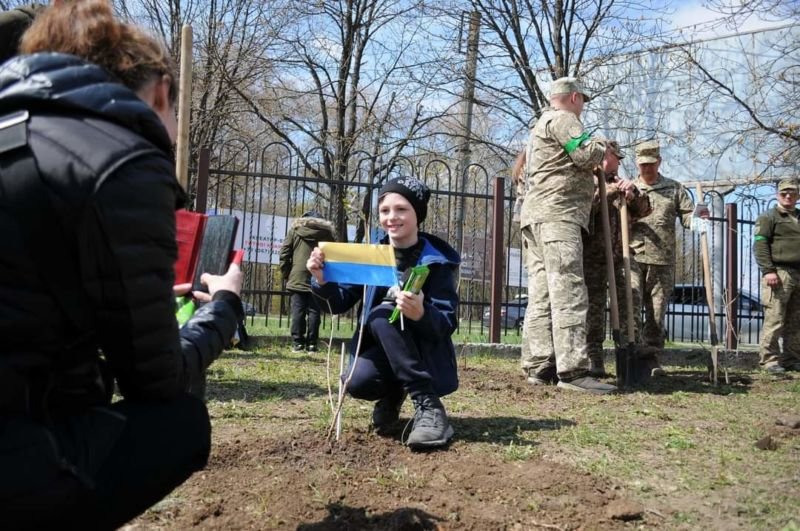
x: 677, y: 439
x: 519, y: 452
x: 676, y: 446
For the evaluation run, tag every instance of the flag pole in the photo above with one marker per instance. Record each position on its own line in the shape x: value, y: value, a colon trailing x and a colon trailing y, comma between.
x: 184, y: 108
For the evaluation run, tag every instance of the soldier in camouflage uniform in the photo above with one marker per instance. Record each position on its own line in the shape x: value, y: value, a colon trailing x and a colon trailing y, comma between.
x: 777, y: 252
x: 556, y: 209
x: 653, y: 244
x: 594, y: 253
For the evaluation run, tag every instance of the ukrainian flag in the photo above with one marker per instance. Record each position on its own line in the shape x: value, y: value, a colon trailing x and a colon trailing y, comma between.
x: 359, y: 263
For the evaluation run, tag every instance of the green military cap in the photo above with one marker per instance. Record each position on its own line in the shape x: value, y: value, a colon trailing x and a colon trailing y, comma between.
x: 787, y: 184
x: 568, y: 85
x: 648, y: 152
x: 613, y: 145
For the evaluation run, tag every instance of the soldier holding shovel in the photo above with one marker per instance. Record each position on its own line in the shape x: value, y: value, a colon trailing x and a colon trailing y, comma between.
x: 603, y: 250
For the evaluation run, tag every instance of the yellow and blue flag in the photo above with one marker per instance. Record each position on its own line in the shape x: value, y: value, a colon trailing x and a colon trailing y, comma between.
x: 359, y: 263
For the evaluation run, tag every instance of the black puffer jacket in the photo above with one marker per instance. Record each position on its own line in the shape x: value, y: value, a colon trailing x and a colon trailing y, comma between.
x: 105, y: 160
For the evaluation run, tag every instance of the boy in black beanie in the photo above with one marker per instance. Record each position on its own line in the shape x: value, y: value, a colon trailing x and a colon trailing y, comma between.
x: 416, y: 358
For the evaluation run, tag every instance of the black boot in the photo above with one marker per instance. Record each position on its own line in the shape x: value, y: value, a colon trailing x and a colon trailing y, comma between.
x: 431, y: 427
x: 387, y: 409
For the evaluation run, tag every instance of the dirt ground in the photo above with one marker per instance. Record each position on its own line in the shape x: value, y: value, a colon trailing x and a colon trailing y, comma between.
x: 263, y: 477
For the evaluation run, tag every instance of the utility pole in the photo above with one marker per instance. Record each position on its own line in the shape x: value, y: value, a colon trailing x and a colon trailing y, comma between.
x: 469, y: 97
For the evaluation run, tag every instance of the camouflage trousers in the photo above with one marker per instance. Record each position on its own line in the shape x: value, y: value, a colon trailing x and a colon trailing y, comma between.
x: 781, y: 320
x: 555, y: 320
x: 594, y: 267
x: 655, y: 283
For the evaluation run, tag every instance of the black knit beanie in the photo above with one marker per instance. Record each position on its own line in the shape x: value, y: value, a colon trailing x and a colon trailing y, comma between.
x: 413, y: 190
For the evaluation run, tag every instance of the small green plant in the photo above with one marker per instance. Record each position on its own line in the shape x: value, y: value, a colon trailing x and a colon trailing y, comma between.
x: 519, y: 452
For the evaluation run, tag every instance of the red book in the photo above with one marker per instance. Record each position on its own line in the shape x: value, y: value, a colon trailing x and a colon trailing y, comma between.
x: 189, y: 237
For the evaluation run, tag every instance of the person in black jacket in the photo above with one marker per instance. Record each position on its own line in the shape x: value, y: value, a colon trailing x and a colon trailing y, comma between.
x: 415, y: 357
x: 87, y: 199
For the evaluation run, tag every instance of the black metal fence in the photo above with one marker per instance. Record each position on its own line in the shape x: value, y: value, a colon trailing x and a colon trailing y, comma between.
x: 267, y: 188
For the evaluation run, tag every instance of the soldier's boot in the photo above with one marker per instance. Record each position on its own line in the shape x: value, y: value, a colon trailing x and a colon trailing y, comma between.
x: 775, y: 369
x: 648, y: 355
x: 596, y: 367
x: 587, y: 384
x: 431, y: 428
x: 545, y: 376
x: 387, y: 410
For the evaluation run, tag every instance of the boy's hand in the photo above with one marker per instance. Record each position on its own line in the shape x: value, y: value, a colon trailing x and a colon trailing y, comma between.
x: 315, y: 263
x: 411, y: 305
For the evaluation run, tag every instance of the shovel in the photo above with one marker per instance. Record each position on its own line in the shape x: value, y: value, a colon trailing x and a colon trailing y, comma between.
x: 619, y: 351
x: 636, y: 370
x: 713, y: 369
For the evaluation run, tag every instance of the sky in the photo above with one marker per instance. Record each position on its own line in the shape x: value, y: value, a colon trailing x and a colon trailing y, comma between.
x: 698, y: 20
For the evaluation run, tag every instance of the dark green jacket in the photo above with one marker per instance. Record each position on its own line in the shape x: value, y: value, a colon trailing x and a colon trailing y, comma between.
x: 777, y: 239
x: 13, y: 24
x: 303, y: 236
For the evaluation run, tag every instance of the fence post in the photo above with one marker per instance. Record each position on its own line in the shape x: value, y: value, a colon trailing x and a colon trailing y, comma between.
x: 201, y: 192
x: 732, y: 275
x: 497, y: 258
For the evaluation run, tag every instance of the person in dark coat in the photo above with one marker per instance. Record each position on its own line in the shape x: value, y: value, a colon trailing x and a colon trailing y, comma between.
x: 414, y: 356
x: 87, y: 212
x: 304, y: 234
x: 13, y: 24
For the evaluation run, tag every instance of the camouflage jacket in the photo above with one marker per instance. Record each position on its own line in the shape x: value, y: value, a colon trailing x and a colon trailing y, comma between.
x: 777, y: 239
x: 559, y: 184
x: 653, y: 238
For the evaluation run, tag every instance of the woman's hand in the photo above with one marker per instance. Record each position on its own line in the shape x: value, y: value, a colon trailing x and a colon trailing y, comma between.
x: 230, y: 281
x: 315, y: 263
x: 411, y: 305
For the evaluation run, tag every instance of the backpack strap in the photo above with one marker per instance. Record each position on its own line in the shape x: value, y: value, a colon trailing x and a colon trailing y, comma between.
x: 25, y: 195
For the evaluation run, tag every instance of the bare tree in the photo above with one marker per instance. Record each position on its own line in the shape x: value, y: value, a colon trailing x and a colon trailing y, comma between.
x: 232, y: 40
x: 530, y: 43
x: 749, y: 84
x: 347, y: 88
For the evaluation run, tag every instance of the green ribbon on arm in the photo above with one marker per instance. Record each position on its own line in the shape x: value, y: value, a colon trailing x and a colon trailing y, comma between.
x: 760, y: 238
x: 576, y: 142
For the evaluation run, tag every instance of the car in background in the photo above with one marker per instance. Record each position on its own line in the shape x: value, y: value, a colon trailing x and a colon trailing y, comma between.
x: 687, y: 316
x: 686, y: 320
x: 512, y: 313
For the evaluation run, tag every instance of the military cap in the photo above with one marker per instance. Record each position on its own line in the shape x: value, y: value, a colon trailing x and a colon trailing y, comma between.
x: 568, y: 85
x: 787, y: 184
x: 613, y: 145
x: 648, y: 152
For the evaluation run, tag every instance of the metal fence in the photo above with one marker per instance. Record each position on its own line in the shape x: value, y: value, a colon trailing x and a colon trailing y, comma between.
x: 269, y: 187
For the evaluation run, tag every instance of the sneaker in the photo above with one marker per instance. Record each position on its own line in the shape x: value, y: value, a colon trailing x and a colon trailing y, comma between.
x: 387, y: 410
x: 298, y: 347
x: 596, y: 369
x: 587, y: 384
x: 775, y: 369
x: 311, y: 347
x: 431, y: 428
x: 657, y: 371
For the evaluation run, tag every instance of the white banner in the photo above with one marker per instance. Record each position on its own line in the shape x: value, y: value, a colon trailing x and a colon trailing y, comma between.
x: 261, y: 235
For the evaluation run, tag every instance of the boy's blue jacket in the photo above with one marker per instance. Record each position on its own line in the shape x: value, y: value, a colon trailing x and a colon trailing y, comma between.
x: 431, y: 333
